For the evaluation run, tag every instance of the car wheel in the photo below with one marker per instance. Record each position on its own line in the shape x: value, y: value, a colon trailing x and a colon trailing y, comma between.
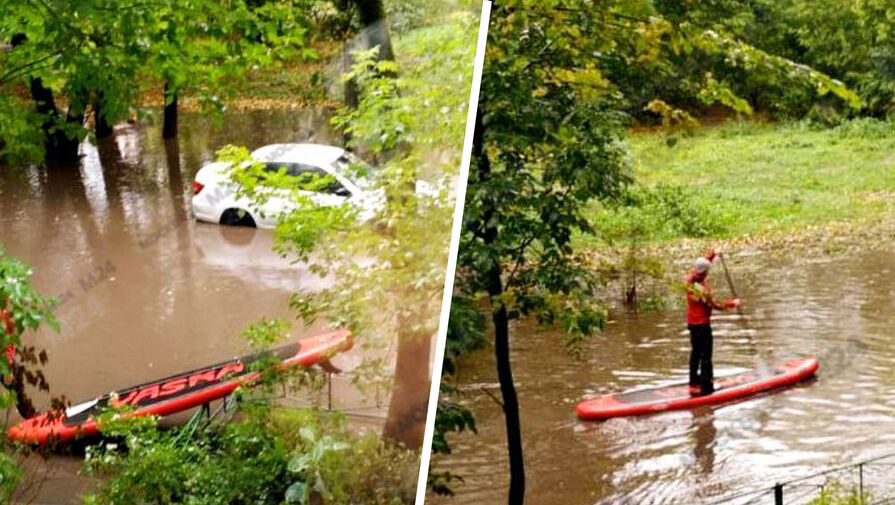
x: 237, y: 217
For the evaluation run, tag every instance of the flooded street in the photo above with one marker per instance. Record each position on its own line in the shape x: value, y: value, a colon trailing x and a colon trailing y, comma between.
x: 144, y: 290
x: 840, y: 310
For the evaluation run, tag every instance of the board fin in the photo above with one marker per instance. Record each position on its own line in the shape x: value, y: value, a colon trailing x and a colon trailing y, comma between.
x: 328, y: 366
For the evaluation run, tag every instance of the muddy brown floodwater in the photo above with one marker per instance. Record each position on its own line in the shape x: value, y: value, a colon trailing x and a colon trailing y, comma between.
x: 840, y: 309
x: 144, y: 290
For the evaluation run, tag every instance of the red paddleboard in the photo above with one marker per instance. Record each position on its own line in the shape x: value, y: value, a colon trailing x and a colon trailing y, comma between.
x: 176, y: 393
x: 678, y: 396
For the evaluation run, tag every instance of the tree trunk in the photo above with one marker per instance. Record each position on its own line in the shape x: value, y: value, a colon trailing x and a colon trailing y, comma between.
x: 57, y: 146
x: 507, y: 391
x: 406, y: 420
x: 60, y: 148
x: 101, y: 124
x: 501, y: 322
x: 67, y: 147
x: 374, y: 32
x: 169, y: 130
x: 351, y: 98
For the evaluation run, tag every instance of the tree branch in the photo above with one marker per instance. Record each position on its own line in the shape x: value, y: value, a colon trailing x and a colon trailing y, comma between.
x: 493, y: 397
x: 9, y: 75
x: 520, y: 258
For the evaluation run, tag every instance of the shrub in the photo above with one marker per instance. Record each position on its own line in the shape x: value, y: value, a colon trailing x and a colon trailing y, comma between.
x: 267, y: 456
x: 866, y: 128
x: 663, y: 211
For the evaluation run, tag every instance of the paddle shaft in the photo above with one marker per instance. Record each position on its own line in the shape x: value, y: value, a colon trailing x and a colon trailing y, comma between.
x: 733, y: 289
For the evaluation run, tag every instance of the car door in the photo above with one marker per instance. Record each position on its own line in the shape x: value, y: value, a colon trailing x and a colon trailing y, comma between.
x: 278, y: 201
x: 334, y: 193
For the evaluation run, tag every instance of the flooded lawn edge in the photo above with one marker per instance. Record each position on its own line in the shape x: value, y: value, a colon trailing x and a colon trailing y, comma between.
x: 747, y: 254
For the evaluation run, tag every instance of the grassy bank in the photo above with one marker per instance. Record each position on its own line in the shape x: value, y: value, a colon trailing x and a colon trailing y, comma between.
x: 787, y: 190
x: 750, y: 184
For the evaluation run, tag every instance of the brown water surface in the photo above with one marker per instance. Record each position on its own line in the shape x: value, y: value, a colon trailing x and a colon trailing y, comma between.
x: 144, y: 290
x: 840, y: 309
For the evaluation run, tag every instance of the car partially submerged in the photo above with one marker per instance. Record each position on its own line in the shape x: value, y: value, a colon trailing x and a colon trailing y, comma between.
x: 216, y: 197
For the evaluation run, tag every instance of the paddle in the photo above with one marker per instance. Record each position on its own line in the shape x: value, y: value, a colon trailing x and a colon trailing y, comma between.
x: 762, y: 362
x: 733, y: 290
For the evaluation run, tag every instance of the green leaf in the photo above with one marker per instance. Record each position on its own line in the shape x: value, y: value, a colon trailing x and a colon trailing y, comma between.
x: 299, y: 463
x: 298, y: 492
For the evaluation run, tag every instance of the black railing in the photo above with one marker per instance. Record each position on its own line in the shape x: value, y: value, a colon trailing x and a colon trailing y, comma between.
x: 868, y: 482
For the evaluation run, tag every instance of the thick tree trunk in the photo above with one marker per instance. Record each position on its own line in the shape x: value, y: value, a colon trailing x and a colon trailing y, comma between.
x: 406, y: 420
x: 45, y: 105
x: 501, y: 322
x: 176, y: 184
x: 66, y: 146
x: 59, y: 149
x: 169, y: 129
x: 101, y: 125
x: 374, y: 32
x: 351, y: 98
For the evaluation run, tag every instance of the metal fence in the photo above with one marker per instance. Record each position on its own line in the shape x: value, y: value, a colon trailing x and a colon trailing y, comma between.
x: 868, y: 482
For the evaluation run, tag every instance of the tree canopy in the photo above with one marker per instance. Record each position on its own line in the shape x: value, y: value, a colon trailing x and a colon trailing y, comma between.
x: 65, y: 59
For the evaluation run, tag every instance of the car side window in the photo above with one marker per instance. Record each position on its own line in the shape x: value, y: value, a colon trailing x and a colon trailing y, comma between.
x: 271, y: 166
x: 333, y: 187
x: 296, y: 169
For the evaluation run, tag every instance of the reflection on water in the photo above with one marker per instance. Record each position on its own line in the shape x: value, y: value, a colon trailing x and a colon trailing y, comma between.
x: 247, y: 253
x: 838, y: 309
x: 145, y: 291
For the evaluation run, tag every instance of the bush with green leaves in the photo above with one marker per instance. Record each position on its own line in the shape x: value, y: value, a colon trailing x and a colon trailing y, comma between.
x: 406, y: 15
x: 648, y: 213
x: 265, y: 456
x: 22, y: 309
x: 836, y: 494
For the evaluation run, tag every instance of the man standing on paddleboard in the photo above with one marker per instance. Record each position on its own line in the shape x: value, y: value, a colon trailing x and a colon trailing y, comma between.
x: 700, y: 304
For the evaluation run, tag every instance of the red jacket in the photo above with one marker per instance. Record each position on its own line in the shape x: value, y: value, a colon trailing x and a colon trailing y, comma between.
x: 699, y: 299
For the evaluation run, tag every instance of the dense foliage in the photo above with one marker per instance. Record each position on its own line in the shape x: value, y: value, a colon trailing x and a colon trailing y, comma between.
x: 265, y: 456
x: 22, y: 309
x: 850, y: 41
x: 66, y: 60
x: 721, y: 49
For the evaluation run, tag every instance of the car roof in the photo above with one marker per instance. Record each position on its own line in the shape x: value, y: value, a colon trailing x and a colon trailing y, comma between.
x: 312, y: 154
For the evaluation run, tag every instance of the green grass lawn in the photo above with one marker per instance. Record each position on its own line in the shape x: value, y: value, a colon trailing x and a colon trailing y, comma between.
x: 751, y: 179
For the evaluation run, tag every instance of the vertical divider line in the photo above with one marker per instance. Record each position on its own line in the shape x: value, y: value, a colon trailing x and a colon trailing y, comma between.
x: 426, y: 452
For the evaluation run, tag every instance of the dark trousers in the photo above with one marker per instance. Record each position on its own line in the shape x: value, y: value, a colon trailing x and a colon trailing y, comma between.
x: 701, y: 373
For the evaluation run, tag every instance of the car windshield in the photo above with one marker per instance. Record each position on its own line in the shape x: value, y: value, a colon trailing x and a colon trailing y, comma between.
x: 355, y: 170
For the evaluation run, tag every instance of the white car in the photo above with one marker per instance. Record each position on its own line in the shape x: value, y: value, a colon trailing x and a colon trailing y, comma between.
x: 215, y: 197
